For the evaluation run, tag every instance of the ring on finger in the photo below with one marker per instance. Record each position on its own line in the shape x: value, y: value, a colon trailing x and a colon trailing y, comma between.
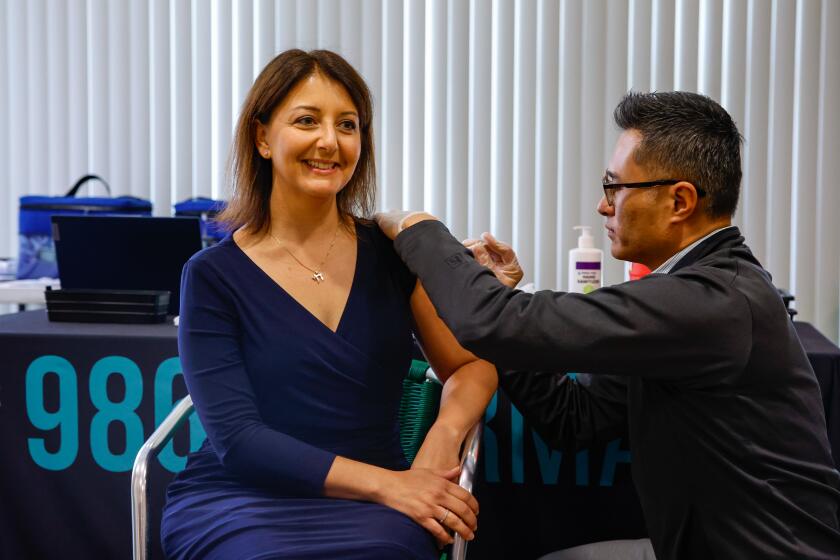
x: 445, y: 515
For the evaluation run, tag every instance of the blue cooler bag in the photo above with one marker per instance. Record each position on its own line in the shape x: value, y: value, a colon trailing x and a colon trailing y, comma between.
x: 205, y: 208
x: 36, y: 257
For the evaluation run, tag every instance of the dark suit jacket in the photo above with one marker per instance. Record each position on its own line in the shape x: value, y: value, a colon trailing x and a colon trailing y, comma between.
x: 702, y: 366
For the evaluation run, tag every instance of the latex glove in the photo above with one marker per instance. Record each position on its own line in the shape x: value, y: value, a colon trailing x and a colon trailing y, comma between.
x: 394, y: 221
x: 499, y: 257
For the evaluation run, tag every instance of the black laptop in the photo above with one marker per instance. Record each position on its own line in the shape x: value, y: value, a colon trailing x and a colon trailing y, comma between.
x: 125, y: 252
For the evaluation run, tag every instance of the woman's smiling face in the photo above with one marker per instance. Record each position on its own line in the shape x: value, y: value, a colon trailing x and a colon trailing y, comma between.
x: 313, y: 138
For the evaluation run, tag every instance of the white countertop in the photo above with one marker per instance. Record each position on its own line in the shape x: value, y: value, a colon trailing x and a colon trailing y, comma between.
x: 26, y: 291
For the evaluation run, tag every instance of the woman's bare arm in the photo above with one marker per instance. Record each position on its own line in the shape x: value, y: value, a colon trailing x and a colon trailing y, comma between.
x: 469, y: 384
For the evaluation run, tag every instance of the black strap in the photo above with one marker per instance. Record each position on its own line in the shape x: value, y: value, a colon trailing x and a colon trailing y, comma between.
x: 85, y: 179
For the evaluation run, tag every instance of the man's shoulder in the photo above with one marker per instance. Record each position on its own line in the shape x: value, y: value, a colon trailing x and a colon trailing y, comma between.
x: 736, y: 272
x: 728, y: 262
x: 716, y: 267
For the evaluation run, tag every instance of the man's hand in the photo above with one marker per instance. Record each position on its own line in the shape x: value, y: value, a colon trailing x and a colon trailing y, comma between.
x: 498, y: 257
x: 393, y: 222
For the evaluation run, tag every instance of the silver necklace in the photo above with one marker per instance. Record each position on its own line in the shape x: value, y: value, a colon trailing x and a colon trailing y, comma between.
x: 317, y: 272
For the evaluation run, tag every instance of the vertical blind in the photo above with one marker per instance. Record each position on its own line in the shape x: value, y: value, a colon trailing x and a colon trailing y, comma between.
x: 494, y: 115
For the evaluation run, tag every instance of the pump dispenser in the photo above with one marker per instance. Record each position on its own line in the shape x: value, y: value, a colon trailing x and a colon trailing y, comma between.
x: 585, y: 263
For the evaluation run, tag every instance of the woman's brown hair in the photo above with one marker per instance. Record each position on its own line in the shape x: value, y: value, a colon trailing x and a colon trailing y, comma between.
x: 251, y: 176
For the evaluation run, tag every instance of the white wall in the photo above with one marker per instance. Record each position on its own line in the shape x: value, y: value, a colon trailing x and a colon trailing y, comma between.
x: 495, y: 115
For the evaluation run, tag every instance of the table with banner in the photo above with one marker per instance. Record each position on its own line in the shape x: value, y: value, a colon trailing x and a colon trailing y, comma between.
x: 78, y: 400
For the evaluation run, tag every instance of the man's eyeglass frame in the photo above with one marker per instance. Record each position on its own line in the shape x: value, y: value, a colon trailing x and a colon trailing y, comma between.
x: 611, y: 188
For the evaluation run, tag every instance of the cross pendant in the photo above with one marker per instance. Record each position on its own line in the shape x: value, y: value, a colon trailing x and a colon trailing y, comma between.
x: 318, y: 277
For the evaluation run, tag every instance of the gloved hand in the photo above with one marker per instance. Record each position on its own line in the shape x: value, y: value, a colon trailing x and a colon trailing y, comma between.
x: 394, y: 221
x: 498, y: 257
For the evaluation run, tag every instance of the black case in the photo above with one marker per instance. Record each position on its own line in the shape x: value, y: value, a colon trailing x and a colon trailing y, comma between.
x: 107, y: 306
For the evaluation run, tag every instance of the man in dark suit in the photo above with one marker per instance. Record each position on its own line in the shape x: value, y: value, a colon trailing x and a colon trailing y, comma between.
x: 698, y: 360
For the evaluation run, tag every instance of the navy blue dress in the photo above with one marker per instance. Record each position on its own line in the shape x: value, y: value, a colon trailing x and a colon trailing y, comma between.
x: 280, y: 395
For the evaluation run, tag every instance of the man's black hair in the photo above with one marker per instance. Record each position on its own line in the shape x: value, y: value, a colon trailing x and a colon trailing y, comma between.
x: 687, y: 136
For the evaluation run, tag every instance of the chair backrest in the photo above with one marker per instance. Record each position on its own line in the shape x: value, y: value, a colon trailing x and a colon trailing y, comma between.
x: 418, y: 407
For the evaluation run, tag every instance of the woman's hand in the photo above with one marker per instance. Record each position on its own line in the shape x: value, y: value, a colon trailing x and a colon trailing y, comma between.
x: 498, y: 257
x: 429, y: 498
x: 439, y: 452
x: 425, y: 495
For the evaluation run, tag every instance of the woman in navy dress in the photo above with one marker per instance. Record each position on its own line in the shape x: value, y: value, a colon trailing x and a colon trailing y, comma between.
x: 295, y: 336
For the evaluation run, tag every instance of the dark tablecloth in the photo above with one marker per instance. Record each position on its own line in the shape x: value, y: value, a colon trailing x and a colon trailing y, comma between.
x: 533, y: 499
x: 824, y: 356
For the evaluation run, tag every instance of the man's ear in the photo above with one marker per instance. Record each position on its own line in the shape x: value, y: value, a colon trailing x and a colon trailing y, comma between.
x: 686, y: 200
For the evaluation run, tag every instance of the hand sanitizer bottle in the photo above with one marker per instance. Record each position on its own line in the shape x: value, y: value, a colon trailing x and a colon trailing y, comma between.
x: 585, y: 263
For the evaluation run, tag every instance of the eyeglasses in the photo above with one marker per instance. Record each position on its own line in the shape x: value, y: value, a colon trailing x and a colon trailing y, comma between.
x: 611, y: 188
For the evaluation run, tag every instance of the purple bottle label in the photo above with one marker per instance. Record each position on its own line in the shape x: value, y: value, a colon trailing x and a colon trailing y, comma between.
x: 588, y: 265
